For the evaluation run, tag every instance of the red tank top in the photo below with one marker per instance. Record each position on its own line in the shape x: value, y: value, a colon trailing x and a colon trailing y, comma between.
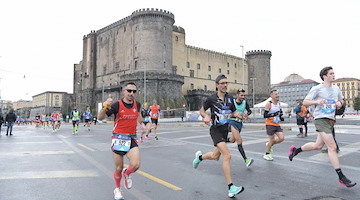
x: 126, y: 119
x: 155, y: 111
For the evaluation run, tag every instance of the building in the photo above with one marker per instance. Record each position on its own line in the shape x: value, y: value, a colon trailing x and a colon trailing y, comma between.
x: 49, y: 101
x: 22, y: 108
x: 350, y: 88
x: 294, y: 87
x: 148, y: 49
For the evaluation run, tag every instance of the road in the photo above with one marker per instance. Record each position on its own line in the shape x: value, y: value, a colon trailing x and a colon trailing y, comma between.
x: 37, y: 164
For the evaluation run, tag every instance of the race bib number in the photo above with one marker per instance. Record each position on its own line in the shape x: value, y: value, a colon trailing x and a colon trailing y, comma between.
x: 121, y: 142
x: 224, y: 115
x: 147, y: 119
x: 276, y: 119
x: 155, y: 115
x: 329, y: 106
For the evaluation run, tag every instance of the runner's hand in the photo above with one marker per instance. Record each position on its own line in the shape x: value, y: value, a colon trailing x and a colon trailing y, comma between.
x: 207, y: 120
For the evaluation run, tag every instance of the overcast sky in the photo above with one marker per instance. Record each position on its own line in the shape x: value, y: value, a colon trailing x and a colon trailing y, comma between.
x: 40, y: 40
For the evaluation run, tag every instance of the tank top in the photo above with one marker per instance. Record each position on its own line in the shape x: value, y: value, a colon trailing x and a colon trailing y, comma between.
x: 126, y: 119
x: 239, y: 109
x: 274, y: 121
x: 155, y: 112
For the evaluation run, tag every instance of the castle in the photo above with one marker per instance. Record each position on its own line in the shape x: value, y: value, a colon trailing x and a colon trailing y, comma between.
x: 148, y: 49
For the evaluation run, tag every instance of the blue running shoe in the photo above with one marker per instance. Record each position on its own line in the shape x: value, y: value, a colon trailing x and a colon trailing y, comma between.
x: 234, y: 190
x: 197, y: 161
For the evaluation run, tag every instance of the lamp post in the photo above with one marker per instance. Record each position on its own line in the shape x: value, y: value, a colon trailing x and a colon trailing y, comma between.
x: 253, y: 87
x: 243, y: 67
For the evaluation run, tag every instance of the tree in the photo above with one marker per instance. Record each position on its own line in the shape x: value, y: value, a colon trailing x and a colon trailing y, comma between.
x: 357, y: 104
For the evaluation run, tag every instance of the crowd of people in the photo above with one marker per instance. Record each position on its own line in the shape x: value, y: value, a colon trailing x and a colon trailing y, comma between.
x: 227, y: 114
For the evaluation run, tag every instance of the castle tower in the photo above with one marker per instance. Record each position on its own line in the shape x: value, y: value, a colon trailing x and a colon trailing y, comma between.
x: 259, y: 74
x: 152, y: 38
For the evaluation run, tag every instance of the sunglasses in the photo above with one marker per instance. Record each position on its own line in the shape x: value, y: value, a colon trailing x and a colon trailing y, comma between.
x: 129, y: 91
x: 223, y: 83
x: 241, y: 90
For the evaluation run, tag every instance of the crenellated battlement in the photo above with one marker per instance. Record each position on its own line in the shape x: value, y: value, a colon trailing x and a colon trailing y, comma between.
x: 213, y: 52
x: 178, y: 29
x: 258, y: 52
x: 138, y: 13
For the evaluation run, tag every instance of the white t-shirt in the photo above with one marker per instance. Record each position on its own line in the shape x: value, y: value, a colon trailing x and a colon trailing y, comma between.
x: 330, y: 94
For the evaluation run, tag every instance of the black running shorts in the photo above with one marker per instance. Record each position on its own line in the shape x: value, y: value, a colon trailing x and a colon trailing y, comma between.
x: 219, y: 134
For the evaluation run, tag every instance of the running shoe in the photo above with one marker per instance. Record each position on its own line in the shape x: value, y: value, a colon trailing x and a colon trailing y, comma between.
x: 292, y: 152
x: 141, y: 139
x: 248, y: 161
x: 127, y: 179
x: 118, y: 194
x: 346, y: 182
x: 268, y: 157
x: 156, y: 138
x: 147, y: 137
x: 197, y: 161
x: 234, y: 190
x: 271, y: 149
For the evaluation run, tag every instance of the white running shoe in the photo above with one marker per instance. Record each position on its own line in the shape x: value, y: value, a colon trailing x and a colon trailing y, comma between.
x: 118, y: 194
x: 127, y: 179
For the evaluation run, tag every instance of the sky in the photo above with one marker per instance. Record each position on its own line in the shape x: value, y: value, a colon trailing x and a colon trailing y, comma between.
x: 40, y: 41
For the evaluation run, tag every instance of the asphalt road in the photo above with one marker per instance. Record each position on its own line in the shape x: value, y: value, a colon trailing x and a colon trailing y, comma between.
x: 37, y: 164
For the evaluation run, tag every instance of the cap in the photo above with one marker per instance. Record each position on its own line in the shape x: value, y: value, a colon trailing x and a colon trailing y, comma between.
x: 240, y: 90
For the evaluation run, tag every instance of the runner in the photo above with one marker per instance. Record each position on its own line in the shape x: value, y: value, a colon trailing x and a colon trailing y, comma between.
x: 37, y: 120
x: 75, y: 118
x: 43, y: 120
x: 154, y: 115
x: 327, y: 98
x: 54, y: 116
x: 222, y: 108
x: 273, y: 116
x: 87, y: 117
x: 58, y: 119
x: 301, y: 113
x: 127, y: 114
x: 236, y: 125
x: 145, y: 114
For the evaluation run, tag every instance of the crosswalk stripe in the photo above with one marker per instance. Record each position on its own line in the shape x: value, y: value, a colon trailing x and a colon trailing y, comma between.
x: 47, y: 174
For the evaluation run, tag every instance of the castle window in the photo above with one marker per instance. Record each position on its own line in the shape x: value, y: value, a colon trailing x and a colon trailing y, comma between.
x: 205, y: 87
x: 174, y: 69
x: 176, y: 38
x: 191, y: 86
x: 209, y: 77
x: 117, y: 66
x: 235, y: 81
x: 228, y: 71
x: 164, y: 64
x: 188, y: 64
x: 235, y: 65
x: 198, y: 66
x: 219, y: 70
x: 209, y: 68
x: 228, y: 64
x: 104, y: 70
x: 124, y: 28
x: 191, y: 73
x: 136, y: 64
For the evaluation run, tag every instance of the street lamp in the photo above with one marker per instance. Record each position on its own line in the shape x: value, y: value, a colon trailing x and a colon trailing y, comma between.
x: 243, y: 66
x: 253, y: 87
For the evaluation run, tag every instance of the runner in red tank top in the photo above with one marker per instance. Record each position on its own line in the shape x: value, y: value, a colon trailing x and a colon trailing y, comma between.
x: 127, y: 115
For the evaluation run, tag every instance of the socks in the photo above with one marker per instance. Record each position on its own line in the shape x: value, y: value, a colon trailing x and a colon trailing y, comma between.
x: 200, y: 157
x: 298, y: 150
x: 339, y: 172
x: 301, y: 130
x: 241, y: 150
x: 129, y: 170
x: 117, y: 178
x: 230, y: 185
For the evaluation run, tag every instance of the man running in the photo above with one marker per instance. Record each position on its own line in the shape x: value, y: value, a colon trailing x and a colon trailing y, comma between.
x: 236, y: 124
x: 75, y: 118
x: 301, y: 113
x: 54, y: 116
x: 222, y: 108
x: 87, y: 117
x: 155, y: 115
x: 327, y: 98
x: 127, y: 116
x: 273, y: 116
